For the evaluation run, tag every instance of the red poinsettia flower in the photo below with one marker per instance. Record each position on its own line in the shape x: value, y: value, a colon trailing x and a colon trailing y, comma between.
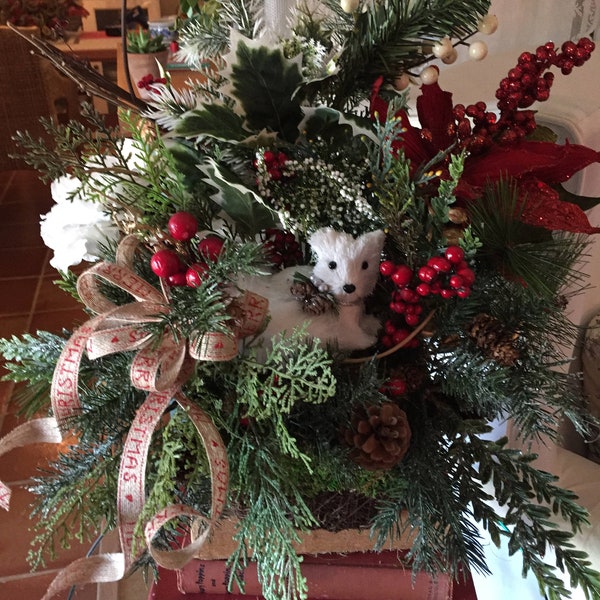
x: 536, y: 166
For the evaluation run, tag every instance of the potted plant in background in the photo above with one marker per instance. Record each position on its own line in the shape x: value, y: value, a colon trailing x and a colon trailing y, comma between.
x: 147, y: 57
x: 52, y: 18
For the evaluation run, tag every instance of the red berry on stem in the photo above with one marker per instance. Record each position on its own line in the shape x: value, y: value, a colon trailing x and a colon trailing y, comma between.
x: 211, y: 247
x: 177, y: 279
x: 463, y: 292
x: 455, y: 254
x: 467, y: 275
x: 387, y: 341
x: 165, y: 263
x: 389, y: 328
x: 394, y: 387
x: 399, y: 336
x: 456, y: 281
x: 402, y: 275
x: 412, y: 319
x: 182, y: 226
x: 427, y: 274
x: 423, y: 289
x: 439, y: 263
x: 195, y: 274
x: 386, y: 268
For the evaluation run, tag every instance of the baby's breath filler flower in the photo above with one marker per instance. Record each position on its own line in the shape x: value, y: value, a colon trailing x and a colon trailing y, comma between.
x: 310, y: 192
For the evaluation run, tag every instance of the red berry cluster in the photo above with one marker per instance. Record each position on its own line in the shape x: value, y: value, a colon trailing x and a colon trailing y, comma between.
x: 171, y: 266
x: 147, y: 82
x: 274, y: 161
x: 282, y: 248
x: 448, y: 276
x: 525, y: 84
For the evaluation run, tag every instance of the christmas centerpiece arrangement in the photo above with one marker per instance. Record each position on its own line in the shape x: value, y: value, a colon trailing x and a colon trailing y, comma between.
x: 303, y: 297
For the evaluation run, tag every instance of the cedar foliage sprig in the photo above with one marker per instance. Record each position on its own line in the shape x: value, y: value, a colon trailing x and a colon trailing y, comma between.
x: 32, y: 358
x: 74, y: 500
x: 275, y: 514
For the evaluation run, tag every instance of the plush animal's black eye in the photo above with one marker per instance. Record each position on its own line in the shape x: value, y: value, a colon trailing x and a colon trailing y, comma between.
x: 332, y: 265
x: 364, y: 266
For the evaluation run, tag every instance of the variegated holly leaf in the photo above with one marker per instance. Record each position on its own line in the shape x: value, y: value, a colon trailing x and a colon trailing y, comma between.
x: 324, y: 121
x: 263, y: 84
x: 212, y: 120
x: 242, y: 204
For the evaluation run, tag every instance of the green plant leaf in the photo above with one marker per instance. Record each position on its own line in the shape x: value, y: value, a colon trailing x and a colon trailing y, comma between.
x: 324, y: 120
x: 243, y: 205
x: 213, y: 120
x: 264, y: 83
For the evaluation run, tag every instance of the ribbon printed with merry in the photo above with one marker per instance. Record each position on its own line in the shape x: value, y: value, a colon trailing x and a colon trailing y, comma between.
x: 161, y: 371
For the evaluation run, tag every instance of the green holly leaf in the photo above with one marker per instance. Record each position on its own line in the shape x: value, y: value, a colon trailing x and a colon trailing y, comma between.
x: 328, y: 122
x: 213, y: 120
x: 264, y: 84
x: 243, y: 205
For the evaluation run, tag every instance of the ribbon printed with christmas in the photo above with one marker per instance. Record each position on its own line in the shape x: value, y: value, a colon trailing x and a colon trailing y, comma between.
x: 161, y: 371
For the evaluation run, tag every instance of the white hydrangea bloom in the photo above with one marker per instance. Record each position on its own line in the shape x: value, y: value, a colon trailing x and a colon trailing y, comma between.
x: 75, y: 229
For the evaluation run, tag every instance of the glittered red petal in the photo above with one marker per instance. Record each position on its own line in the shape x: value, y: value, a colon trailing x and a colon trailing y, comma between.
x: 543, y: 208
x: 434, y: 108
x: 553, y: 163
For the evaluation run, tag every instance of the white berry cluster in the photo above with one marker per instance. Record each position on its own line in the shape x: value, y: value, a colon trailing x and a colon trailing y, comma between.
x: 310, y: 193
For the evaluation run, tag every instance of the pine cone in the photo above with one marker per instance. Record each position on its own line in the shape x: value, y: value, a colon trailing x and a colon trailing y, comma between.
x: 494, y: 339
x: 313, y: 301
x: 380, y: 436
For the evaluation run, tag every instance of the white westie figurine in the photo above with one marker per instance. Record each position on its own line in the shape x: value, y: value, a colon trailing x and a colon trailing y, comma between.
x: 346, y: 268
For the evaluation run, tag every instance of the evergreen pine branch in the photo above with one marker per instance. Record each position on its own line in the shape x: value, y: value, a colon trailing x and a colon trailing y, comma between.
x: 73, y: 141
x: 206, y: 35
x: 32, y: 359
x: 433, y: 511
x: 387, y: 38
x: 532, y: 497
x: 74, y: 499
x: 543, y: 262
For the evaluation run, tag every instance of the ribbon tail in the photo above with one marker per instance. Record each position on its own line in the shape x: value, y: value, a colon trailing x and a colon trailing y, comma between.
x: 104, y: 568
x: 38, y: 431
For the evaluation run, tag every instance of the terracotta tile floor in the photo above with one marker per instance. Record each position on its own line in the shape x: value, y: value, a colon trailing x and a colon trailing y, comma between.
x: 29, y: 301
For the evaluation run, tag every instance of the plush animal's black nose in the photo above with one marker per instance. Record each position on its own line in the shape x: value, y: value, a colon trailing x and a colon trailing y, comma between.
x: 349, y: 288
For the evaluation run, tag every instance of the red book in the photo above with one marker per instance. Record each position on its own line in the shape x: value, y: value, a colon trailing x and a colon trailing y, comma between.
x: 354, y: 576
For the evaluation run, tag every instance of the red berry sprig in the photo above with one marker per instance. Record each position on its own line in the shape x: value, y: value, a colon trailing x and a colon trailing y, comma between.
x: 182, y: 226
x: 282, y: 248
x: 526, y: 83
x: 274, y: 161
x: 166, y: 263
x: 394, y: 387
x: 447, y: 275
x: 172, y: 264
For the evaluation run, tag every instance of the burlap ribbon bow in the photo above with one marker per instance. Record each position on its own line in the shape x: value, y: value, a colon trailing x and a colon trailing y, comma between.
x: 160, y: 371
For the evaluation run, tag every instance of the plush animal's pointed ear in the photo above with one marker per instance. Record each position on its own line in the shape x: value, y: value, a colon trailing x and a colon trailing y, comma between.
x: 321, y: 239
x: 374, y: 240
